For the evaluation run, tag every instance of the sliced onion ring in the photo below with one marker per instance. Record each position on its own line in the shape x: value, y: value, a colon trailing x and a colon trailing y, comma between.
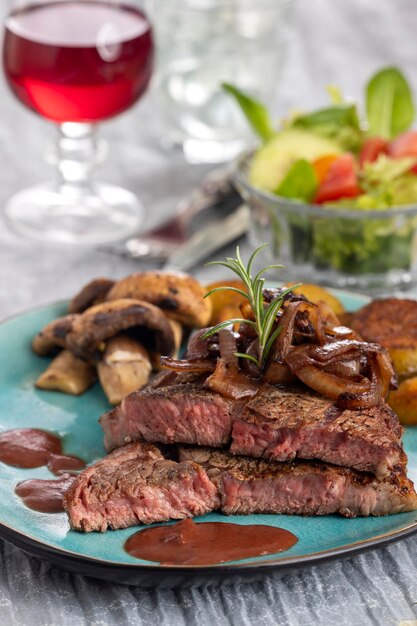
x: 278, y: 373
x: 228, y: 348
x: 232, y: 383
x: 183, y: 365
x: 369, y: 398
x: 332, y: 386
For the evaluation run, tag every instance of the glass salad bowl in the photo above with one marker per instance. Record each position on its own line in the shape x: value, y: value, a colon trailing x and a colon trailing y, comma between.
x: 368, y: 250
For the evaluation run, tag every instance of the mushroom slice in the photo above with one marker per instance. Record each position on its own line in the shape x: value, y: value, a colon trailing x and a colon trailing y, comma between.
x: 180, y: 296
x: 93, y: 328
x: 53, y: 335
x: 93, y: 293
x: 125, y: 367
x: 177, y: 330
x: 68, y: 374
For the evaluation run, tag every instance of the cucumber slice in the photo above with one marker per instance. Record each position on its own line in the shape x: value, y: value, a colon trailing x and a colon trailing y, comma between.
x: 273, y: 160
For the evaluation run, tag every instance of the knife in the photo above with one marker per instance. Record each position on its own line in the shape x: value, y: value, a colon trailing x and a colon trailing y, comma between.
x: 215, y: 196
x: 209, y: 239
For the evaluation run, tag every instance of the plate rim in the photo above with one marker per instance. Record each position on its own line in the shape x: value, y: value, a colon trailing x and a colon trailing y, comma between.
x: 42, y: 549
x: 314, y: 558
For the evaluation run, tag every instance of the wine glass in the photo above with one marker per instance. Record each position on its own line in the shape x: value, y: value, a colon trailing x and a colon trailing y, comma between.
x: 75, y: 63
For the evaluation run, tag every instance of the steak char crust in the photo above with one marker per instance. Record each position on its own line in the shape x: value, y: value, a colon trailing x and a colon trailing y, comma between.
x: 277, y: 424
x: 300, y: 488
x: 282, y: 424
x: 179, y: 413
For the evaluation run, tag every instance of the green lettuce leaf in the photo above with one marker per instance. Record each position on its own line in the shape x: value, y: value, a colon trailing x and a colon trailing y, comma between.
x: 339, y: 122
x: 255, y: 112
x: 300, y: 182
x: 389, y: 103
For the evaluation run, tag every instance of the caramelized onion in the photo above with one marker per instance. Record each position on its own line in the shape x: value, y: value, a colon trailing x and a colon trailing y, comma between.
x: 228, y: 348
x: 344, y: 368
x: 337, y: 351
x: 315, y: 366
x: 248, y: 365
x: 389, y: 377
x: 199, y: 349
x: 312, y: 346
x: 278, y: 373
x: 370, y: 398
x: 285, y: 338
x: 318, y: 323
x: 231, y: 383
x: 328, y: 316
x: 330, y: 385
x: 341, y: 332
x: 183, y: 365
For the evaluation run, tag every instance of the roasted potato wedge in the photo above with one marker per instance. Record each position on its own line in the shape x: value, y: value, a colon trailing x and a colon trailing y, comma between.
x: 405, y: 361
x: 404, y: 401
x: 68, y: 374
x: 227, y: 313
x: 315, y: 293
x: 225, y: 304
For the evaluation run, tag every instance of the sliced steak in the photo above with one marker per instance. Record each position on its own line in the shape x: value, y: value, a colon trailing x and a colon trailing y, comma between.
x: 277, y: 424
x: 281, y: 424
x: 300, y: 487
x: 136, y: 485
x: 183, y: 413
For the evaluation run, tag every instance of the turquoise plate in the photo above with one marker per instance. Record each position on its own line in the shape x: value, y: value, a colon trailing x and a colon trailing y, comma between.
x: 102, y: 555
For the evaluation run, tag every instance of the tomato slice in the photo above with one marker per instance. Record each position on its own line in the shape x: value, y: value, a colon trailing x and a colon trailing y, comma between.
x: 322, y: 164
x: 371, y: 149
x: 340, y: 181
x: 404, y: 145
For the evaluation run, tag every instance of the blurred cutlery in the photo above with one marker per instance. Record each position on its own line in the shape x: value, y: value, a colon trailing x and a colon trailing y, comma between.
x: 215, y: 197
x: 209, y: 239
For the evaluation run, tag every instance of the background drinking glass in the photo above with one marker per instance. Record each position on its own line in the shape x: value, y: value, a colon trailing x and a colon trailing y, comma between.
x: 75, y: 63
x: 202, y: 43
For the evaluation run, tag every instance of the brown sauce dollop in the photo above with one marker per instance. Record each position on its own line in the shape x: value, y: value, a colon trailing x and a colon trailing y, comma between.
x: 62, y: 463
x: 32, y: 447
x: 207, y: 543
x: 44, y: 496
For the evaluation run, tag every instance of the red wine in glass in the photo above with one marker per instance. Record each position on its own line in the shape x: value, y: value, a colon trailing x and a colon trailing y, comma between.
x: 77, y: 62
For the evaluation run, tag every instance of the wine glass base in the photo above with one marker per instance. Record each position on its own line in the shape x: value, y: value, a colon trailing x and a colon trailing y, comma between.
x: 70, y: 215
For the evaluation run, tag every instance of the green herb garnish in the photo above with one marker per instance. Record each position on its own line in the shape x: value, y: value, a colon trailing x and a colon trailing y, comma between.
x: 264, y: 315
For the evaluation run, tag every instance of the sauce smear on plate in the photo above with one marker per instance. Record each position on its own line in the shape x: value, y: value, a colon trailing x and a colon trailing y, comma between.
x: 207, y: 543
x: 33, y: 447
x: 44, y: 496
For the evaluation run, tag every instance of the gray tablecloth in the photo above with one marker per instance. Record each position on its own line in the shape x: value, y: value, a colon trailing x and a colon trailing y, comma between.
x: 333, y: 42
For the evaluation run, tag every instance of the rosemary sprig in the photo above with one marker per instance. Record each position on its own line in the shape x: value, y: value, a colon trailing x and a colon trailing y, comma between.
x: 264, y: 316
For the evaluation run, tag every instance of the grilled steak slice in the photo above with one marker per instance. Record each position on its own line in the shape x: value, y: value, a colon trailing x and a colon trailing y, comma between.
x: 300, y: 487
x: 281, y: 424
x: 277, y: 424
x: 183, y: 413
x: 135, y: 485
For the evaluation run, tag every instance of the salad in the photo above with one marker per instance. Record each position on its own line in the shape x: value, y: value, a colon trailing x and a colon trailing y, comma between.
x: 340, y: 157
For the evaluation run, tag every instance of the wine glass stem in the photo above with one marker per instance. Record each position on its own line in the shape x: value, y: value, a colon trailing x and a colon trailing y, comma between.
x: 78, y: 155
